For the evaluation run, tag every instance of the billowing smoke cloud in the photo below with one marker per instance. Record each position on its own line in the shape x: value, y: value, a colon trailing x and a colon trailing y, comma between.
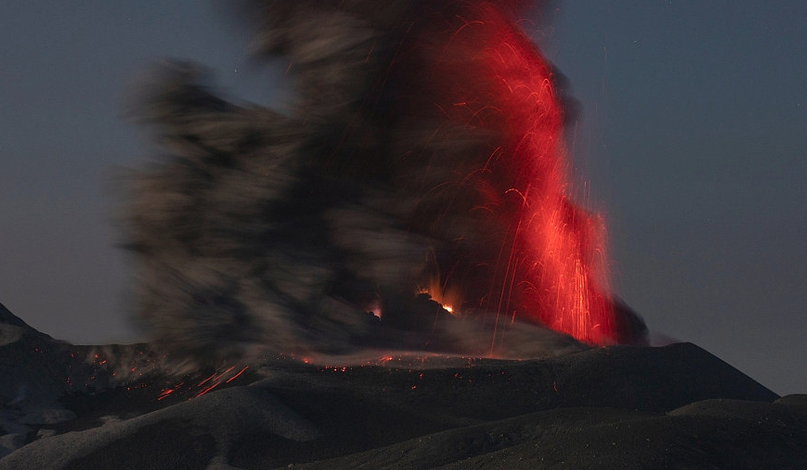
x: 397, y: 170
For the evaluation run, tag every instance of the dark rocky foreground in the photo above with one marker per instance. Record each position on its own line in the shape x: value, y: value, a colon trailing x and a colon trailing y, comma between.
x: 617, y: 407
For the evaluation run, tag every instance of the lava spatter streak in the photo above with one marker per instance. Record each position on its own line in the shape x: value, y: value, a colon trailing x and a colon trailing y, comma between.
x: 194, y: 389
x: 550, y: 262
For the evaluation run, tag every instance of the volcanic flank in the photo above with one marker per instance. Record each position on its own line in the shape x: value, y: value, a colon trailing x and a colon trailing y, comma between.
x: 614, y: 407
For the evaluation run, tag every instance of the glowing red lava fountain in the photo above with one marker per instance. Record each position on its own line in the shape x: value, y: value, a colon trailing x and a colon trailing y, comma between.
x: 551, y: 263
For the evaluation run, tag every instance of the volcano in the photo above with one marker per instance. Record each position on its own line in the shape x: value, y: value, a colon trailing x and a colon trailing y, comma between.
x: 631, y: 407
x: 391, y: 273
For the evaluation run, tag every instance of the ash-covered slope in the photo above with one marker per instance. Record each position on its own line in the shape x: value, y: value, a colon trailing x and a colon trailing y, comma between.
x: 616, y: 407
x: 36, y: 371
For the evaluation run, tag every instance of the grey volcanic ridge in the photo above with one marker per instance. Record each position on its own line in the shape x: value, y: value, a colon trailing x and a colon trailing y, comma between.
x: 124, y: 407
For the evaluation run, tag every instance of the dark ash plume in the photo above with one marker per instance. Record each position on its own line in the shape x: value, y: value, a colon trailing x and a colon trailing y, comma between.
x: 257, y: 230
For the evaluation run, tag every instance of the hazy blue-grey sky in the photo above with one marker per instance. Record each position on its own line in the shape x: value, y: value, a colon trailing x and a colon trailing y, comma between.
x: 693, y: 140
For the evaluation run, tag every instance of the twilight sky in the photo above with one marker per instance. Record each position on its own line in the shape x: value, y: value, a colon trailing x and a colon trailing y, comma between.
x: 692, y: 141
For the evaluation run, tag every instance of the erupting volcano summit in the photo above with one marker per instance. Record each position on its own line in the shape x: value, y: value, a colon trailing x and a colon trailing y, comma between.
x: 424, y: 153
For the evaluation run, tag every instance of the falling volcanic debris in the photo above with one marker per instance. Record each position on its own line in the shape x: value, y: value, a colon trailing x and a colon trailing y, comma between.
x: 424, y: 153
